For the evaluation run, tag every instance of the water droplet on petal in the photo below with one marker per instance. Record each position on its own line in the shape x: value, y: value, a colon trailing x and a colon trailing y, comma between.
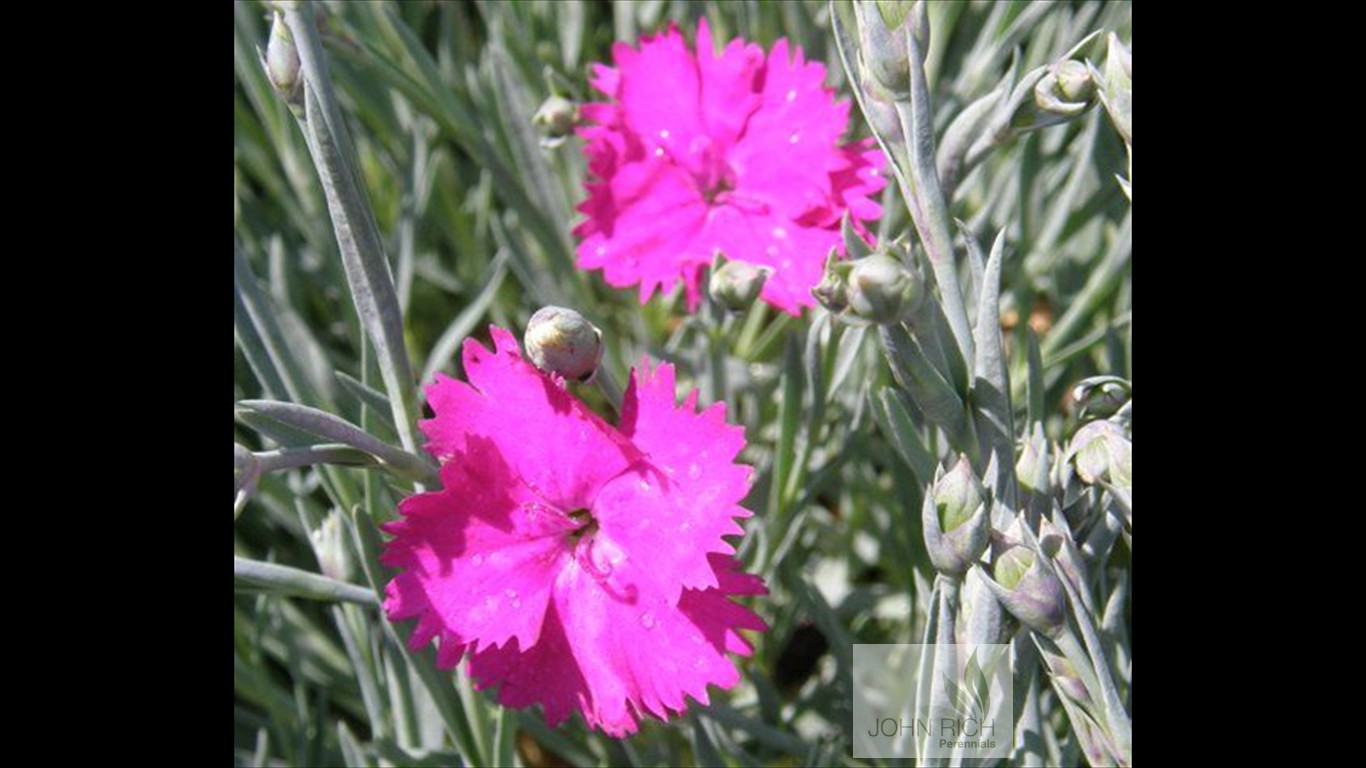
x: 659, y: 151
x: 794, y: 137
x: 779, y: 232
x: 700, y: 663
x: 694, y: 471
x: 601, y: 251
x: 663, y: 133
x: 792, y: 94
x: 772, y: 250
x: 513, y: 599
x: 478, y: 559
x: 647, y: 620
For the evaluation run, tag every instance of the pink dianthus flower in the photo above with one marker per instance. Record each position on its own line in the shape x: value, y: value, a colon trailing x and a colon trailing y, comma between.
x: 580, y: 565
x: 738, y: 153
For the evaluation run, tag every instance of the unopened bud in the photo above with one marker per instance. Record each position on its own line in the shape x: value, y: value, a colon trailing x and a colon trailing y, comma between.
x: 955, y: 520
x: 1100, y: 397
x: 329, y: 545
x: 1101, y: 453
x: 1031, y: 468
x: 562, y: 341
x: 882, y: 289
x: 556, y: 119
x: 882, y: 41
x: 736, y: 285
x: 282, y: 60
x: 1066, y: 90
x: 833, y: 290
x: 1026, y: 585
x: 1074, y: 80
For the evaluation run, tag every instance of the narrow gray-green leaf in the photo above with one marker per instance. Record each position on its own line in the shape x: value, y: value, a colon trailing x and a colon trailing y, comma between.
x: 257, y: 576
x: 931, y: 392
x: 1034, y: 379
x: 353, y: 221
x: 326, y: 425
x: 446, y: 346
x: 991, y: 387
x: 928, y: 210
x: 258, y: 334
x: 353, y: 754
x: 368, y: 396
x: 789, y: 421
x: 704, y: 749
x: 894, y: 420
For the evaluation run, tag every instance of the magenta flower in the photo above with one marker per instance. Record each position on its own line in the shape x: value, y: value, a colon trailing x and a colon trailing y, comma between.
x: 738, y: 153
x: 581, y: 565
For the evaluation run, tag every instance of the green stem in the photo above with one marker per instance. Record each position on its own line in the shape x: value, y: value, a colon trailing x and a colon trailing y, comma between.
x: 945, y: 652
x: 1117, y: 719
x: 258, y: 576
x: 353, y: 220
x: 928, y: 209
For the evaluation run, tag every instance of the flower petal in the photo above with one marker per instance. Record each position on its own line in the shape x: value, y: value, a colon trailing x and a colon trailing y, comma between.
x: 591, y: 653
x: 642, y: 230
x: 562, y: 450
x: 795, y: 252
x: 671, y: 511
x: 790, y: 145
x: 730, y: 85
x: 658, y: 91
x: 478, y: 557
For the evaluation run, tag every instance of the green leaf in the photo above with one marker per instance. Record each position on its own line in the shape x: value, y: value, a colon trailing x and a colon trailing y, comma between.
x: 258, y: 333
x: 933, y: 394
x: 446, y: 346
x: 325, y: 425
x: 257, y: 576
x: 704, y: 749
x: 368, y: 396
x: 894, y: 420
x: 789, y: 422
x: 353, y: 221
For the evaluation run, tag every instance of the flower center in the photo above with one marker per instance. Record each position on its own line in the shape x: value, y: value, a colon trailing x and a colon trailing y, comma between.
x: 587, y: 525
x: 723, y: 183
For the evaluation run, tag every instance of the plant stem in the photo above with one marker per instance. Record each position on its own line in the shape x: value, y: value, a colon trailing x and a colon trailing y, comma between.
x: 353, y: 220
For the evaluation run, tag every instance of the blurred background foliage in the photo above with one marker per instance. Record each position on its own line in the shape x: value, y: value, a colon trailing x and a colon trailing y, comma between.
x: 476, y: 217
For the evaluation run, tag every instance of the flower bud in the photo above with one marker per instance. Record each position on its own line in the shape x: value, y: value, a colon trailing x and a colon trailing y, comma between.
x: 556, y: 118
x: 1074, y: 80
x: 1067, y: 89
x: 1100, y: 397
x: 988, y: 623
x: 1101, y: 453
x: 562, y: 341
x: 882, y: 42
x: 282, y: 61
x: 1026, y: 585
x: 954, y: 518
x: 736, y: 285
x: 833, y: 290
x: 882, y: 290
x: 1056, y: 541
x: 1031, y: 469
x: 329, y: 545
x: 1118, y: 87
